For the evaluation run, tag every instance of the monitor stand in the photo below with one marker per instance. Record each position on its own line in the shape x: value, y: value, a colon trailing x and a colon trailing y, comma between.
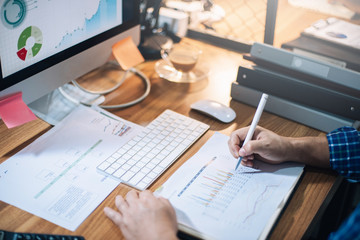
x: 55, y: 106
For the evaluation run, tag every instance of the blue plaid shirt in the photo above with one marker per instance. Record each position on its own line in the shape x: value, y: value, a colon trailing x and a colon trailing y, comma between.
x: 344, y: 146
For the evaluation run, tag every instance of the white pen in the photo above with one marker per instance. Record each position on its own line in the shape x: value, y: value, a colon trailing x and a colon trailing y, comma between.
x: 254, y: 122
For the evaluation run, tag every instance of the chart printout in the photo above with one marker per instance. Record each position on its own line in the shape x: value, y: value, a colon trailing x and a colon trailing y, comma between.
x: 55, y: 177
x: 213, y: 200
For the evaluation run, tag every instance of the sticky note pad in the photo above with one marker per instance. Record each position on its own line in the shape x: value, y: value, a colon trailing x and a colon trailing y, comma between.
x: 127, y: 54
x: 14, y: 112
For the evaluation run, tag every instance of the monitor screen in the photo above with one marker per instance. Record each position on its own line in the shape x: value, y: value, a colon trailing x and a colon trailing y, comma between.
x: 46, y: 43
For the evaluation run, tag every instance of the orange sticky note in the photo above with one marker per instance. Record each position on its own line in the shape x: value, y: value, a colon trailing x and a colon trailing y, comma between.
x: 127, y: 54
x: 14, y: 112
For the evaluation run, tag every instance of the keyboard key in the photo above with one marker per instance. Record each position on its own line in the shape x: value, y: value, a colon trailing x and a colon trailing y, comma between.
x: 116, y: 165
x: 121, y: 151
x: 119, y: 173
x: 146, y: 170
x: 110, y: 170
x: 103, y: 166
x: 126, y: 177
x: 111, y: 160
x: 158, y: 169
x: 140, y: 164
x: 137, y: 178
x: 151, y: 165
x: 121, y: 161
x: 135, y: 169
x: 126, y: 166
x: 148, y: 179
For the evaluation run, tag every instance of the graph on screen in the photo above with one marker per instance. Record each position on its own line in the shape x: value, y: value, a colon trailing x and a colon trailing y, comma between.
x: 105, y: 15
x: 34, y: 30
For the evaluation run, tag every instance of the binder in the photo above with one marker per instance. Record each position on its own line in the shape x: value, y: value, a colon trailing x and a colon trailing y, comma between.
x: 306, y: 65
x: 296, y: 90
x: 327, y: 49
x: 321, y: 120
x: 262, y: 64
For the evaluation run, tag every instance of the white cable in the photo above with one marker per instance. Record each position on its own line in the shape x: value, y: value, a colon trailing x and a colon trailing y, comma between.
x: 146, y: 81
x: 143, y: 77
x: 105, y: 91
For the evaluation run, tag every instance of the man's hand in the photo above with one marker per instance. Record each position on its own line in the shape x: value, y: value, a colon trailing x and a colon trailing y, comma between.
x: 265, y: 145
x: 272, y: 148
x: 144, y: 216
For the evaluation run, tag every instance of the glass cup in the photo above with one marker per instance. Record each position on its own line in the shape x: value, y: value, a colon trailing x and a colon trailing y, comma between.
x: 183, y: 58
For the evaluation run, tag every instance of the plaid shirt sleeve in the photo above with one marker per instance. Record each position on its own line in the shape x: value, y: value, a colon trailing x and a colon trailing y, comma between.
x: 344, y: 147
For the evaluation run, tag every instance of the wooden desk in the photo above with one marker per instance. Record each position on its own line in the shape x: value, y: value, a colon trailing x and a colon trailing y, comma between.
x: 301, y: 209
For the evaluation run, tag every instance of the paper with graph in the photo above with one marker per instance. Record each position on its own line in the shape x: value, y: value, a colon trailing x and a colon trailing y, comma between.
x: 55, y: 176
x: 215, y: 202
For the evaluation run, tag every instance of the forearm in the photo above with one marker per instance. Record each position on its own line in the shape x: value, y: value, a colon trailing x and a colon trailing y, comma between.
x: 313, y: 151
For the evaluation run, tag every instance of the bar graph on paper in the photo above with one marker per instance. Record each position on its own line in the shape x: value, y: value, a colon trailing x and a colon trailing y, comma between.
x: 214, y: 190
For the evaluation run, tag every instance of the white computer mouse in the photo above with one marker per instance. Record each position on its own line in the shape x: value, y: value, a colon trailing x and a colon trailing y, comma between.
x: 215, y: 109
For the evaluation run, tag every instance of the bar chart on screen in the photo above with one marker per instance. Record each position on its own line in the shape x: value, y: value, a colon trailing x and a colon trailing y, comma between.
x: 214, y: 200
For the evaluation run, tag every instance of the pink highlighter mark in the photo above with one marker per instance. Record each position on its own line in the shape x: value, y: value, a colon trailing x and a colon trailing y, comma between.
x: 14, y: 112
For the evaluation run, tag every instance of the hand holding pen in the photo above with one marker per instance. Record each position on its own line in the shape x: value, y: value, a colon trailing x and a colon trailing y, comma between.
x: 254, y: 123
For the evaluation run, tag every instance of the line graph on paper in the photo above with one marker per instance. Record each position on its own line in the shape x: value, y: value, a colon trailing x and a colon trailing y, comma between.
x: 217, y: 191
x: 111, y: 126
x: 255, y: 201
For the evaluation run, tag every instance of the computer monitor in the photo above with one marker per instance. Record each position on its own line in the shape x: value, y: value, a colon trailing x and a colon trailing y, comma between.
x: 47, y: 43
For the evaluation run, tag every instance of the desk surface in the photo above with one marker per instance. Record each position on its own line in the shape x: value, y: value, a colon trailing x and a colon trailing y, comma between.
x: 311, y: 192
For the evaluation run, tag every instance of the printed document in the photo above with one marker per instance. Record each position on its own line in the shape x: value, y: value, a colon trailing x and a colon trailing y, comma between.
x: 55, y: 177
x: 214, y: 201
x: 336, y: 31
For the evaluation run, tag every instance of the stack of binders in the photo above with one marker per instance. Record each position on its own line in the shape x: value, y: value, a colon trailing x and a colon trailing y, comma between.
x: 312, y: 92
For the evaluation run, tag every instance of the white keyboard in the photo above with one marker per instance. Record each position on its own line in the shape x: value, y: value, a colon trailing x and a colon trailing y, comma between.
x: 145, y: 157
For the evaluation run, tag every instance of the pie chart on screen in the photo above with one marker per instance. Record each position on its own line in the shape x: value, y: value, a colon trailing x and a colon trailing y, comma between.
x: 29, y: 43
